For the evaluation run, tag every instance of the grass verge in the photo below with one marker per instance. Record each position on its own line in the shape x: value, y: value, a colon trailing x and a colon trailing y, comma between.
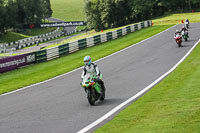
x: 39, y: 72
x: 172, y: 106
x: 14, y: 36
x: 39, y: 31
x: 11, y: 37
x: 68, y: 10
x: 177, y: 18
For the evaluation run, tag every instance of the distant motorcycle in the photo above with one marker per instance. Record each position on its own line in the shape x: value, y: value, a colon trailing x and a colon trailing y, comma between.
x: 187, y: 24
x: 93, y: 89
x: 185, y: 35
x: 178, y: 39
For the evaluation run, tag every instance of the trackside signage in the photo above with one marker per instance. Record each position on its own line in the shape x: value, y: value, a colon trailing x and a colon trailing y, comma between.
x: 56, y: 24
x: 15, y: 62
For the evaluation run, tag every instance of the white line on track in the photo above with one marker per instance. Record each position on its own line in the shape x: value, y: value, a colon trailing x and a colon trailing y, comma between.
x: 92, y: 125
x: 81, y: 67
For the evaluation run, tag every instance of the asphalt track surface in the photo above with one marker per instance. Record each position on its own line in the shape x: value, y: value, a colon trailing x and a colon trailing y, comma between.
x: 60, y: 105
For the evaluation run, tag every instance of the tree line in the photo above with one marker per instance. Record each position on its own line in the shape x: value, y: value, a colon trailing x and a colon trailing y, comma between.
x: 105, y: 14
x: 15, y: 13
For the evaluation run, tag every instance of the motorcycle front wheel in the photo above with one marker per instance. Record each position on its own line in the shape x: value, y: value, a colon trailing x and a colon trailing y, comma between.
x: 91, y: 98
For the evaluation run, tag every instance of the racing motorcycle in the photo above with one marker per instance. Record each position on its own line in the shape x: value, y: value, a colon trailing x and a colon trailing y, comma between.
x: 93, y: 89
x: 178, y: 39
x: 187, y: 24
x: 185, y: 35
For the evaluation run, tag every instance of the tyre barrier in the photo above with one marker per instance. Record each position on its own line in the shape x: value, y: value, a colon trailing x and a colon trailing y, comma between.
x: 36, y: 39
x: 65, y: 49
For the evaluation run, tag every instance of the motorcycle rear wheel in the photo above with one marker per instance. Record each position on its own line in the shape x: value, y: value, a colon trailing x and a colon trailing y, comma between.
x: 186, y: 39
x: 102, y: 97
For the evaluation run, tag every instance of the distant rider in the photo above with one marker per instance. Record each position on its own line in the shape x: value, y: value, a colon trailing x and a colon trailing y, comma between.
x: 92, y: 69
x: 187, y: 21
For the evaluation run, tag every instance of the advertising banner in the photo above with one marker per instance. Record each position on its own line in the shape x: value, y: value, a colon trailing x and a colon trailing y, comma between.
x: 55, y: 24
x: 15, y: 62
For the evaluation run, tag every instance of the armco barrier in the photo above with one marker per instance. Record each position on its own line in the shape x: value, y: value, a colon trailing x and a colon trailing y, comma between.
x: 41, y: 56
x: 63, y: 49
x: 128, y: 29
x: 90, y: 41
x: 119, y: 33
x: 114, y: 35
x: 73, y: 46
x: 132, y: 28
x: 55, y: 52
x: 97, y: 39
x: 136, y: 27
x: 103, y: 38
x: 109, y: 36
x: 142, y: 24
x: 124, y: 31
x: 52, y: 53
x: 82, y: 43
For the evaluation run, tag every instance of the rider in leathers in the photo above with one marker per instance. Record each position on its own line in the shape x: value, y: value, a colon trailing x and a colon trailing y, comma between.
x: 177, y: 32
x: 187, y: 21
x: 93, y: 70
x: 184, y: 29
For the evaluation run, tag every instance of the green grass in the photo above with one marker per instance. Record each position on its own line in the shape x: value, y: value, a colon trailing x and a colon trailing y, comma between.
x: 29, y: 75
x: 68, y: 10
x: 11, y: 37
x: 172, y: 106
x: 37, y: 31
x: 177, y: 18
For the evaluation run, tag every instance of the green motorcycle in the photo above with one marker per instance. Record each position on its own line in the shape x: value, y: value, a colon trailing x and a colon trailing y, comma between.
x: 93, y: 89
x: 185, y: 35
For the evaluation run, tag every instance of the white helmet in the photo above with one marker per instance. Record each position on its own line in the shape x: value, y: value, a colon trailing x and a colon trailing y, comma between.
x: 87, y: 60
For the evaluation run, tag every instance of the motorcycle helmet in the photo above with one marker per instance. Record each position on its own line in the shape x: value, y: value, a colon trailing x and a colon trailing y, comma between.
x: 87, y: 60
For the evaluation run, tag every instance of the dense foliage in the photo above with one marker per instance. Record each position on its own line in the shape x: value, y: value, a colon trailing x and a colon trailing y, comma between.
x: 14, y: 13
x: 104, y: 14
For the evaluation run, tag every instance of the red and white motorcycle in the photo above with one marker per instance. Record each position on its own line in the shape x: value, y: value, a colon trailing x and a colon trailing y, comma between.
x: 178, y: 39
